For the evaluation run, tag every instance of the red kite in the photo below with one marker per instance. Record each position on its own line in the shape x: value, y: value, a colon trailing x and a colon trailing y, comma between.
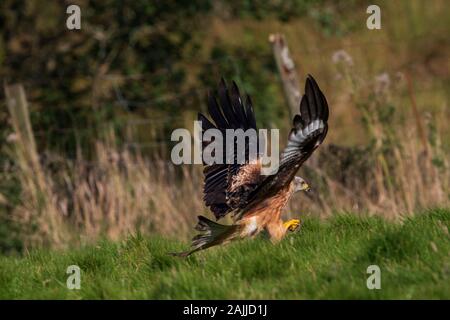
x: 256, y: 201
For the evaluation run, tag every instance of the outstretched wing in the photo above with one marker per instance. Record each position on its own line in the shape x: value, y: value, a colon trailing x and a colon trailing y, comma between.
x: 226, y: 186
x: 309, y: 131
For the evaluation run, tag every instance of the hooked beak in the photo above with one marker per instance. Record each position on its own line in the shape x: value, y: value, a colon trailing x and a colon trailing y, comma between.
x: 306, y: 188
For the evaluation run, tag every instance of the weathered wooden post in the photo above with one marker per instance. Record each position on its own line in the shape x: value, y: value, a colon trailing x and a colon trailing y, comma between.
x: 286, y: 68
x: 291, y: 87
x: 18, y: 108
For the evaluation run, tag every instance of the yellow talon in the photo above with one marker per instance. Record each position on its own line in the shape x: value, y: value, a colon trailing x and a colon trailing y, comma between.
x: 292, y: 225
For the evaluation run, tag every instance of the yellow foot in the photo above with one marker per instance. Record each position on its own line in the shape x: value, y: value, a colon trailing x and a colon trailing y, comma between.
x: 292, y: 225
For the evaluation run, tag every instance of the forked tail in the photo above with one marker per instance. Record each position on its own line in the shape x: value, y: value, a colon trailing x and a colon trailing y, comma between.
x: 212, y: 234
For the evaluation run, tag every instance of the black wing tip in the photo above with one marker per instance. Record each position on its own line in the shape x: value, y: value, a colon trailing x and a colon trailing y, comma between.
x: 312, y: 89
x: 310, y: 80
x: 311, y: 83
x: 200, y: 116
x: 205, y: 124
x: 222, y: 83
x: 227, y: 107
x: 235, y: 89
x: 248, y: 99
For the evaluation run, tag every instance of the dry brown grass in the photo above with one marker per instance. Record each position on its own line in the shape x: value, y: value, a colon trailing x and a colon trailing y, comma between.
x: 402, y: 168
x: 118, y: 194
x: 391, y: 187
x: 121, y: 192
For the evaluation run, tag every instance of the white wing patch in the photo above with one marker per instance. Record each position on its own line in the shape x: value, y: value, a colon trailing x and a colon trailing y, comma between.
x: 296, y: 139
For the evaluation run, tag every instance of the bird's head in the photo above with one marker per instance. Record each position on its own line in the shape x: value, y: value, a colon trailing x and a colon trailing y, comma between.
x: 300, y: 184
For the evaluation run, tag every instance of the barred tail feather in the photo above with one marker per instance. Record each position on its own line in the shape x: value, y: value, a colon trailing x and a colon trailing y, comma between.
x: 212, y: 234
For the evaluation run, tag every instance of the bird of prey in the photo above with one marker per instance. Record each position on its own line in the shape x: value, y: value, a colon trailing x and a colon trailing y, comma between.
x: 255, y: 201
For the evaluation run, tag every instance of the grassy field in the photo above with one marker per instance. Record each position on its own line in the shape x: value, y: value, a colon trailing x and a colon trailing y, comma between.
x: 325, y: 259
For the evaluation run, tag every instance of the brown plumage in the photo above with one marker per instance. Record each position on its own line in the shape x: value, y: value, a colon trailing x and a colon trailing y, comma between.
x: 256, y: 201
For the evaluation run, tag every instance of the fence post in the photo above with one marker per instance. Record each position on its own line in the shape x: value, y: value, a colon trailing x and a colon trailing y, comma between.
x: 18, y: 108
x: 291, y: 87
x: 286, y: 68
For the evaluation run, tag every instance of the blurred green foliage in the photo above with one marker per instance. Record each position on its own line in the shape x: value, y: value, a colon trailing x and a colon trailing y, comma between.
x: 146, y: 45
x: 63, y: 69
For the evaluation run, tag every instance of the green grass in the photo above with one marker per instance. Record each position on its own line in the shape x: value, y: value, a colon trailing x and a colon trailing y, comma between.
x: 326, y: 259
